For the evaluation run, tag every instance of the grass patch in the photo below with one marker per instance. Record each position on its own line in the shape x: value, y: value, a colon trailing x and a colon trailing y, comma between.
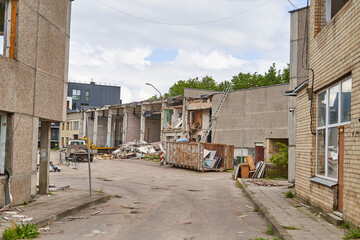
x: 290, y: 227
x: 256, y: 209
x: 345, y: 225
x: 238, y: 183
x: 289, y: 194
x: 270, y: 230
x: 22, y: 231
x: 353, y: 233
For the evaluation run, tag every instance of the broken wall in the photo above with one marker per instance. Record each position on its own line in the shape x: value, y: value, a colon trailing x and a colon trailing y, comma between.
x: 196, y: 93
x: 133, y: 126
x: 258, y: 113
x: 153, y: 130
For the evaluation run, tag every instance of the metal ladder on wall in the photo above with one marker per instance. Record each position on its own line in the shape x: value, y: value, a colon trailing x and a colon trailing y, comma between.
x: 215, y: 115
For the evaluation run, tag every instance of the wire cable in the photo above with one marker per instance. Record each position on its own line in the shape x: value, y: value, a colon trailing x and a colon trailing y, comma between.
x: 292, y: 4
x: 183, y: 24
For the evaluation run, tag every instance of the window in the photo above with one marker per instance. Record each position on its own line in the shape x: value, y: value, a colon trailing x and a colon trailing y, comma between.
x: 70, y: 125
x: 3, y: 124
x: 87, y: 95
x: 8, y: 11
x: 76, y: 125
x: 333, y: 110
x: 76, y: 94
x: 54, y: 134
x: 332, y: 7
x: 63, y: 126
x: 67, y: 126
x: 74, y: 107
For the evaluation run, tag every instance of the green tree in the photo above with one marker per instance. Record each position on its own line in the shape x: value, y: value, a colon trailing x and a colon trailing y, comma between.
x: 240, y: 81
x: 281, y: 158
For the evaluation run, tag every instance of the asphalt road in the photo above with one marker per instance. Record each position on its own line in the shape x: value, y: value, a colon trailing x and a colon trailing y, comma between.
x: 157, y: 203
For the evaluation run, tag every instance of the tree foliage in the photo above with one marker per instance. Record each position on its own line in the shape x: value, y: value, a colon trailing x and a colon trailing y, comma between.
x: 281, y: 158
x: 240, y: 81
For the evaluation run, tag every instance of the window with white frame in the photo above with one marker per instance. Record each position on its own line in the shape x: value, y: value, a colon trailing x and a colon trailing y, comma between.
x: 76, y: 94
x: 3, y: 124
x: 333, y: 110
x: 76, y: 125
x: 332, y: 7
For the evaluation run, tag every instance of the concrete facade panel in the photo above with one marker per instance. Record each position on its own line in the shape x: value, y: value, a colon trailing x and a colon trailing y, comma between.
x: 258, y: 113
x: 22, y: 150
x: 51, y: 49
x: 55, y: 12
x: 16, y: 87
x: 34, y: 4
x: 27, y: 35
x: 48, y: 99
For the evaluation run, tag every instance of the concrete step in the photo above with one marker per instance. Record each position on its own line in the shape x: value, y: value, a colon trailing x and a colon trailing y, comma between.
x: 334, y: 219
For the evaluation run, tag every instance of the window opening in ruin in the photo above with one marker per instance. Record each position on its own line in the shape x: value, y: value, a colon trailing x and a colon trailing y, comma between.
x: 8, y: 10
x: 333, y: 110
x: 329, y: 8
x: 3, y: 125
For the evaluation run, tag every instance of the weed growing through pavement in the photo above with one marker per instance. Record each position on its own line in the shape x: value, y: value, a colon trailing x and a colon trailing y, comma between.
x: 353, y: 233
x: 289, y: 194
x: 270, y: 230
x: 256, y: 209
x: 345, y: 225
x: 22, y: 231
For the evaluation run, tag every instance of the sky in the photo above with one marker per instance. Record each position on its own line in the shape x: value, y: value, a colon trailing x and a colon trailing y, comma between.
x: 132, y: 42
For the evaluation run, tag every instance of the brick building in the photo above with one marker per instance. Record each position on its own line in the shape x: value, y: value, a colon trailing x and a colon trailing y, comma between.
x: 327, y: 170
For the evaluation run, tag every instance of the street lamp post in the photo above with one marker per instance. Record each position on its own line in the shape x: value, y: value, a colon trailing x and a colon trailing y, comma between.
x: 149, y: 84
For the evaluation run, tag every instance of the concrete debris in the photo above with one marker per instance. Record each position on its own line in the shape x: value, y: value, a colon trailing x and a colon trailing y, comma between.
x: 55, y: 167
x: 137, y: 149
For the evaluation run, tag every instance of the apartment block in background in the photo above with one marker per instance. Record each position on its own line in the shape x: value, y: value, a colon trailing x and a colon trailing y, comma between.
x: 89, y: 95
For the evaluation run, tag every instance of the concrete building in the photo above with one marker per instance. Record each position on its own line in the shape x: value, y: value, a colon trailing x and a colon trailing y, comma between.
x: 327, y: 140
x: 110, y: 126
x: 72, y: 128
x: 259, y: 114
x: 91, y: 95
x: 298, y: 78
x: 33, y: 88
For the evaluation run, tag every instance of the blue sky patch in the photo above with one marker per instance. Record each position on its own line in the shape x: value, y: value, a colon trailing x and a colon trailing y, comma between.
x: 161, y: 55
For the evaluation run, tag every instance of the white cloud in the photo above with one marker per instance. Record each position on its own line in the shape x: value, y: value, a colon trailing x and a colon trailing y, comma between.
x: 111, y: 47
x: 214, y: 59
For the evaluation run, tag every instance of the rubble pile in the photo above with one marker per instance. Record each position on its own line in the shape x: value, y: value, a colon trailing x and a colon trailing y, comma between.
x: 137, y: 149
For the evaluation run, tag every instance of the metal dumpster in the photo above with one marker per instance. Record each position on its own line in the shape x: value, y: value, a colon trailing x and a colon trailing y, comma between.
x: 191, y: 155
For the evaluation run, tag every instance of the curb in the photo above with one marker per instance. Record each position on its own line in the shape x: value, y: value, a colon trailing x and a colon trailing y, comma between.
x: 51, y: 219
x: 278, y: 229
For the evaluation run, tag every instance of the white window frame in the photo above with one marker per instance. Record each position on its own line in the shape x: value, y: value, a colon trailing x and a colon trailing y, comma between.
x: 77, y: 94
x: 76, y: 125
x: 327, y: 126
x: 3, y: 126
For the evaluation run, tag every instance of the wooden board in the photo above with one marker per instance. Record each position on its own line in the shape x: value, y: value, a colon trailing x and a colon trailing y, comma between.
x: 250, y: 161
